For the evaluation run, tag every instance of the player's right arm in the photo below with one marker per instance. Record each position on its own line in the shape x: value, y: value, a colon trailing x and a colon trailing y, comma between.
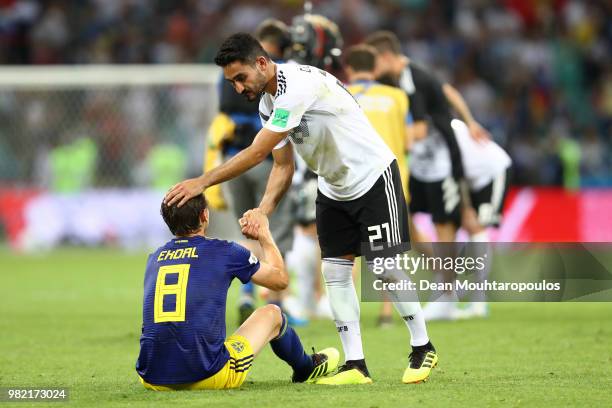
x: 272, y: 273
x: 456, y: 100
x: 261, y: 147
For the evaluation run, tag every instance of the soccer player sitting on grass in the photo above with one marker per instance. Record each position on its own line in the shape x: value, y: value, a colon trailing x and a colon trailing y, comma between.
x: 183, y: 344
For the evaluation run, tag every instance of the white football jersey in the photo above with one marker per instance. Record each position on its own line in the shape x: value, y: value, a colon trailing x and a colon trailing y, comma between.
x: 328, y: 129
x: 430, y: 158
x: 482, y: 161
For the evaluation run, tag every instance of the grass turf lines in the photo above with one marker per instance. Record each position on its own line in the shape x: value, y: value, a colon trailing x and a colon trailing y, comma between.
x: 72, y: 319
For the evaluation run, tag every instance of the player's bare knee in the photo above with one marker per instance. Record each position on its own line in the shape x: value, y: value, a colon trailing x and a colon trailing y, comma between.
x: 272, y: 313
x: 277, y: 315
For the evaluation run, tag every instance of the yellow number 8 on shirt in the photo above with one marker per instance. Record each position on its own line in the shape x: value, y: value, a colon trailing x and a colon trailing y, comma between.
x: 178, y: 289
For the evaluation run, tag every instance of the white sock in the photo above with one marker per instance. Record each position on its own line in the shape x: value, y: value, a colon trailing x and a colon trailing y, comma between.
x: 410, y: 312
x: 350, y: 336
x: 344, y: 305
x: 304, y: 264
x: 482, y: 237
x: 414, y: 320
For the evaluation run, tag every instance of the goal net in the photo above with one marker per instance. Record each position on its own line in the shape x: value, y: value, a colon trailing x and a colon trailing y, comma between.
x: 74, y: 136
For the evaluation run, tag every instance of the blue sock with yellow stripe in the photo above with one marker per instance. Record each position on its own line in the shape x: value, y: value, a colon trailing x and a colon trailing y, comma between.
x: 288, y: 347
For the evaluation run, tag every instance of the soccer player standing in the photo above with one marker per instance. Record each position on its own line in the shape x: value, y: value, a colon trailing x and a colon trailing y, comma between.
x: 360, y: 198
x: 387, y: 110
x: 183, y: 345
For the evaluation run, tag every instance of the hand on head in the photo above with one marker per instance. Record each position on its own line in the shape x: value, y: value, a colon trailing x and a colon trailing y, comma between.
x: 181, y: 193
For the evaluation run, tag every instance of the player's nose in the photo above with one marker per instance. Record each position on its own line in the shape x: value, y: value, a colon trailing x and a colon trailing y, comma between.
x: 239, y: 87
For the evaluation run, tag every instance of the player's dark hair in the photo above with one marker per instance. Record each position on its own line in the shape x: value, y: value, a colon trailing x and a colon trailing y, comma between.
x: 384, y: 41
x: 185, y: 219
x: 276, y: 32
x: 242, y: 47
x: 361, y: 57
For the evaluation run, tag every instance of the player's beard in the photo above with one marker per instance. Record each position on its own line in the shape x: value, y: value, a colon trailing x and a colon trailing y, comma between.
x: 258, y: 88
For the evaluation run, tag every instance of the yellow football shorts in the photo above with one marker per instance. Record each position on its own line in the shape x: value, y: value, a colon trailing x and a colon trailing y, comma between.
x: 232, y: 375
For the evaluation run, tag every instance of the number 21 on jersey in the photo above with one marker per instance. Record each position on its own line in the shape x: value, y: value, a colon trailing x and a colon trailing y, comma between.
x: 377, y: 234
x: 171, y: 285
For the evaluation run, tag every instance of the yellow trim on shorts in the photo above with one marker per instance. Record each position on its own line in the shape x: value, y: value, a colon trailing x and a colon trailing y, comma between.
x: 232, y: 375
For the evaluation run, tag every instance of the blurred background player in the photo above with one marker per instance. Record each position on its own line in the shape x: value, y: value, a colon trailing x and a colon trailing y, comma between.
x: 231, y: 131
x: 487, y: 173
x: 387, y: 110
x: 437, y: 167
x: 183, y: 345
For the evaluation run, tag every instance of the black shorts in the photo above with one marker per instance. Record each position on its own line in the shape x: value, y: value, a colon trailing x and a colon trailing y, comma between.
x: 377, y: 221
x: 489, y: 200
x: 441, y: 199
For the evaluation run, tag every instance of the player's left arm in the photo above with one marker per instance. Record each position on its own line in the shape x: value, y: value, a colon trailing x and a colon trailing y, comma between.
x: 261, y: 147
x: 456, y: 100
x: 280, y: 178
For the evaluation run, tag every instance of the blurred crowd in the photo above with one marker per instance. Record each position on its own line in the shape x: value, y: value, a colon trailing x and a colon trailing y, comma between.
x: 538, y: 73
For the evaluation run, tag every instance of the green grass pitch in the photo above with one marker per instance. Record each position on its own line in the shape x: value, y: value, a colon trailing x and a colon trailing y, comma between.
x: 72, y: 319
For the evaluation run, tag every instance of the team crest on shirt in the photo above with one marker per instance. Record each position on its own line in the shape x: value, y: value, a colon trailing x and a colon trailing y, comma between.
x: 253, y: 259
x: 237, y: 346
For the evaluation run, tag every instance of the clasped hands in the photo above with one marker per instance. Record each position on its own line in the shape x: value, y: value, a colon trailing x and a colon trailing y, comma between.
x: 254, y: 224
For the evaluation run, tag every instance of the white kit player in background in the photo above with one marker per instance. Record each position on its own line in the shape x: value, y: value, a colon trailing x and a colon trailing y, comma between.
x: 360, y: 193
x: 487, y: 172
x: 485, y: 163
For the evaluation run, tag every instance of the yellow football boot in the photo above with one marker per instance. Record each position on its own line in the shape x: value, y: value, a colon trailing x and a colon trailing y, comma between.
x: 422, y: 360
x: 347, y: 374
x: 325, y: 361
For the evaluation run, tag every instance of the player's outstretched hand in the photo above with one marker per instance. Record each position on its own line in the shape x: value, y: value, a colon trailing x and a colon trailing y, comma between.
x: 181, y: 193
x: 254, y: 224
x: 478, y: 133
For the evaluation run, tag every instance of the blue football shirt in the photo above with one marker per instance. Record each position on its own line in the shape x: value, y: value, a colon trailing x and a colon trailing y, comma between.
x: 185, y: 291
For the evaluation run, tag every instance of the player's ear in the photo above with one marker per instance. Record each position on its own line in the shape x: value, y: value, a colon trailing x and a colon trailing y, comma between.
x: 261, y: 63
x: 204, y: 216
